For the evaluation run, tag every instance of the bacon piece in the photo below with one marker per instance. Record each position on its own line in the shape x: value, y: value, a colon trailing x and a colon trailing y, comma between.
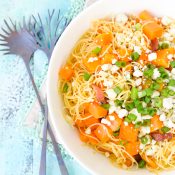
x: 154, y: 44
x: 99, y: 93
x: 161, y: 137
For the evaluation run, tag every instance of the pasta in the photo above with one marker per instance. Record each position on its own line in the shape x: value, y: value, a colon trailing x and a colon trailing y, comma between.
x: 118, y: 88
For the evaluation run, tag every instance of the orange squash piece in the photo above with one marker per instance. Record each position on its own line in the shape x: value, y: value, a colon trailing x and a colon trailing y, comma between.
x: 132, y: 148
x: 91, y: 66
x: 66, y: 73
x: 128, y: 133
x: 155, y: 123
x: 97, y: 111
x: 103, y: 39
x: 107, y: 59
x: 145, y: 15
x: 143, y: 58
x: 115, y: 124
x: 162, y: 60
x: 85, y: 138
x: 87, y: 122
x: 152, y: 30
x: 101, y: 133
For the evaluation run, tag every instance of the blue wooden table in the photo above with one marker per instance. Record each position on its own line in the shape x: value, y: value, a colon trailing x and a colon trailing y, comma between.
x: 20, y: 140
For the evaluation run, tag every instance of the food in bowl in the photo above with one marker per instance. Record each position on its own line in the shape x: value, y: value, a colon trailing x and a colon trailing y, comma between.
x: 118, y: 88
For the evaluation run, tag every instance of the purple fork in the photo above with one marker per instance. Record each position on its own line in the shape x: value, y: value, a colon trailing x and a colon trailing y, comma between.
x: 24, y: 42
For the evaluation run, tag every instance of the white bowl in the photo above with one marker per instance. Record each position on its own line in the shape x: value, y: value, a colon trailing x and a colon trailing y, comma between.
x: 95, y: 163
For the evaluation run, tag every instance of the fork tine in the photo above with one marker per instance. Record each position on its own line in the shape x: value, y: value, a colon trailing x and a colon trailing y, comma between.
x: 14, y: 24
x: 3, y: 36
x: 8, y: 25
x: 4, y: 50
x: 5, y: 31
x: 4, y: 44
x: 24, y: 23
x: 7, y: 53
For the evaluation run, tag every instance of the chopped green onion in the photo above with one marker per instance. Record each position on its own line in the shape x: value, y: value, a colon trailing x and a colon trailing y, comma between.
x: 148, y: 72
x: 147, y: 99
x: 132, y: 117
x: 118, y: 102
x: 151, y: 111
x: 96, y: 51
x: 142, y: 94
x: 149, y: 92
x: 117, y: 90
x: 158, y: 102
x: 164, y: 46
x: 127, y: 120
x: 159, y: 80
x: 144, y: 140
x: 120, y: 63
x: 165, y: 129
x: 135, y: 56
x: 115, y: 134
x: 65, y: 88
x: 146, y: 122
x: 86, y: 76
x: 142, y: 164
x: 172, y: 64
x: 163, y: 73
x: 171, y: 82
x: 106, y: 106
x: 140, y: 108
x: 136, y: 102
x: 129, y: 106
x: 134, y: 93
x: 155, y: 86
x: 138, y: 125
x: 171, y: 92
x: 165, y: 92
x: 138, y: 26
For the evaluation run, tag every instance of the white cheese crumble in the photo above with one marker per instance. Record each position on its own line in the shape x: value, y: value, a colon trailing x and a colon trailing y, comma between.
x: 121, y: 18
x: 151, y: 151
x: 111, y: 118
x: 162, y: 117
x: 127, y: 75
x: 105, y: 121
x: 125, y: 123
x: 88, y: 131
x: 138, y: 73
x: 108, y: 84
x: 111, y: 94
x: 114, y: 61
x: 92, y: 59
x: 169, y: 123
x: 155, y: 94
x: 138, y: 82
x: 107, y: 154
x: 152, y: 56
x: 167, y: 103
x: 156, y: 74
x: 114, y: 69
x: 173, y: 71
x: 170, y: 56
x: 122, y: 113
x: 166, y: 20
x: 112, y: 109
x: 106, y: 67
x: 144, y: 130
x: 138, y: 50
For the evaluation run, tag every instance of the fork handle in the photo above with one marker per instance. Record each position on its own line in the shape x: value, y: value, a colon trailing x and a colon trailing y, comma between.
x: 61, y: 163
